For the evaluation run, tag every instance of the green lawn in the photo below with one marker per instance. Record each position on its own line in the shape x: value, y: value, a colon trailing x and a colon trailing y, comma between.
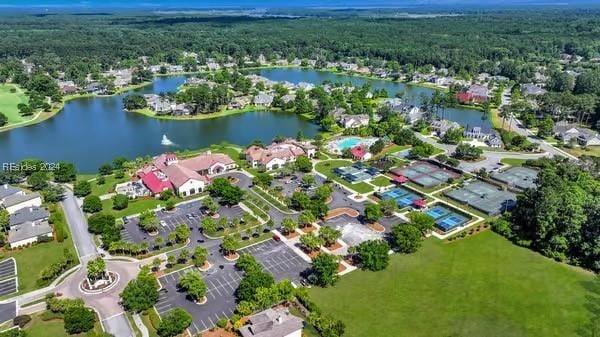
x: 513, y: 161
x: 55, y: 328
x: 326, y: 168
x: 109, y: 185
x: 9, y: 102
x: 381, y: 181
x: 135, y: 206
x: 31, y: 260
x: 480, y: 286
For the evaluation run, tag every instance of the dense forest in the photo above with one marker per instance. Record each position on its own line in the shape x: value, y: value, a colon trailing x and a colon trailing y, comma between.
x: 507, y: 43
x: 560, y: 217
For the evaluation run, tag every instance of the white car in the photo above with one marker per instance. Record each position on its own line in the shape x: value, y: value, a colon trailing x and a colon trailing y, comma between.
x: 163, y: 223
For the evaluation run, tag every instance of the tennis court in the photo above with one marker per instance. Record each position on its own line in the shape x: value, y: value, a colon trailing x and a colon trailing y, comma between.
x: 484, y: 197
x: 425, y: 174
x: 446, y: 218
x: 402, y: 196
x: 356, y: 173
x: 520, y: 177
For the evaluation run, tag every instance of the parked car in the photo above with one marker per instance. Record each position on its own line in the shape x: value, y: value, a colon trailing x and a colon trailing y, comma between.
x: 125, y: 220
x: 163, y: 223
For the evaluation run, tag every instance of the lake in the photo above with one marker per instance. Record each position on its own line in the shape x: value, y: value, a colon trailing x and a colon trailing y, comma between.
x: 92, y: 131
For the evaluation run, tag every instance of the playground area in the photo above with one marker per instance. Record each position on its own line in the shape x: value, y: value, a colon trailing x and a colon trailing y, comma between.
x: 484, y: 197
x: 520, y: 177
x: 425, y: 174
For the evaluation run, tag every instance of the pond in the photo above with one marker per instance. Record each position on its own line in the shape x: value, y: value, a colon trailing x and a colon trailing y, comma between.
x: 92, y: 131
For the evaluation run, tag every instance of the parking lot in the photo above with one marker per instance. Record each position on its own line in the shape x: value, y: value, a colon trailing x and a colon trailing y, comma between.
x: 8, y: 277
x: 188, y: 214
x: 278, y: 259
x: 221, y: 285
x: 222, y: 281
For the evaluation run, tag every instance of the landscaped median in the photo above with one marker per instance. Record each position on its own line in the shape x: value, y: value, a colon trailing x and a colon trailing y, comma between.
x: 272, y: 200
x: 326, y: 168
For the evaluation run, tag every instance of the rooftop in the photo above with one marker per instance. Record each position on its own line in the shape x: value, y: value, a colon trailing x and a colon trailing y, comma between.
x: 28, y: 230
x: 271, y: 323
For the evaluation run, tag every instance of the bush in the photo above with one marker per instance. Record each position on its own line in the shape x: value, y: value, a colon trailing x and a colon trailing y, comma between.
x: 120, y: 202
x: 79, y: 319
x: 21, y: 320
x: 92, y: 204
x: 222, y: 323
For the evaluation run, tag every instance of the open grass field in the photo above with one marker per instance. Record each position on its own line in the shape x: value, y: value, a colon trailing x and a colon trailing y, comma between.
x: 326, y: 168
x: 9, y: 102
x: 480, y: 286
x: 578, y: 152
x: 381, y: 181
x: 109, y: 185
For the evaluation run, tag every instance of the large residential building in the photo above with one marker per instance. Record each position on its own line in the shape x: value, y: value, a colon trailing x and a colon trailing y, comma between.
x: 7, y: 191
x: 565, y: 131
x: 27, y: 225
x: 353, y: 121
x: 276, y: 155
x: 17, y: 201
x: 184, y: 176
x: 475, y: 94
x: 273, y: 323
x: 440, y: 127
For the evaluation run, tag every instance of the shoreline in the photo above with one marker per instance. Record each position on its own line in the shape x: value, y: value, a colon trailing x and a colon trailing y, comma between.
x: 43, y: 116
x: 222, y: 113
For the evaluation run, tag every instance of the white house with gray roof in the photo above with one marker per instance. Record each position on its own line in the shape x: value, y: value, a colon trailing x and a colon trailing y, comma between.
x: 273, y: 323
x: 16, y: 202
x: 32, y: 214
x: 7, y: 190
x: 263, y: 99
x: 28, y: 233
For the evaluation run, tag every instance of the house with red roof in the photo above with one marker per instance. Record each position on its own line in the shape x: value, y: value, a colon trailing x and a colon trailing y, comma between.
x: 278, y: 154
x: 184, y: 176
x: 360, y: 152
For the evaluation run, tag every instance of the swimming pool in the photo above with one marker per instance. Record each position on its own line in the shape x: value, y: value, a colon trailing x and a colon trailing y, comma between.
x: 340, y: 144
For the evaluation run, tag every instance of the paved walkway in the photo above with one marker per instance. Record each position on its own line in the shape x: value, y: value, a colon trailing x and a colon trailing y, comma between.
x: 140, y: 325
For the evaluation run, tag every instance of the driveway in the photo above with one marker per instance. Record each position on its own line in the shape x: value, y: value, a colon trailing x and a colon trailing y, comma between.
x: 78, y: 225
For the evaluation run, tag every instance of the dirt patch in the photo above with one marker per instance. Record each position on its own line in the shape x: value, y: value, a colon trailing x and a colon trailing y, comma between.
x: 312, y: 254
x: 377, y: 227
x: 341, y: 268
x: 328, y: 200
x: 234, y: 180
x: 218, y: 332
x: 340, y: 211
x: 291, y: 235
x: 308, y: 229
x: 232, y: 256
x: 336, y: 245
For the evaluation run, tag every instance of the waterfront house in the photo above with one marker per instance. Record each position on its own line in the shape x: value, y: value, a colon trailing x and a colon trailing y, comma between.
x: 494, y: 141
x: 184, y: 176
x: 475, y: 94
x: 263, y: 99
x: 440, y: 127
x: 278, y: 154
x: 482, y: 132
x: 353, y: 121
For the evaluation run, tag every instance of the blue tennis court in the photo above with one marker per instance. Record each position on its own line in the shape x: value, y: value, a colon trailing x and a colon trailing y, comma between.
x: 451, y: 222
x: 437, y: 212
x: 402, y: 196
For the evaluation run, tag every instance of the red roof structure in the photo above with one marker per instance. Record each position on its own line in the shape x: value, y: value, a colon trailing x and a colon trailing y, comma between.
x: 400, y: 179
x: 464, y: 97
x: 419, y: 203
x: 155, y: 184
x: 359, y: 152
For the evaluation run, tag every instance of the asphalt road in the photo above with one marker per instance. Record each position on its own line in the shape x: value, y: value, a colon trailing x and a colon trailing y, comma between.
x: 78, y: 225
